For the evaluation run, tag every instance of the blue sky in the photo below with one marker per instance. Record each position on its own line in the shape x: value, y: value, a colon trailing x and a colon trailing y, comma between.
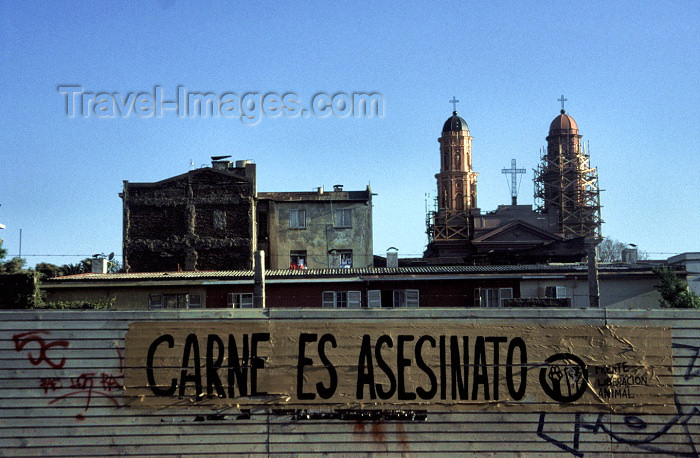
x: 628, y: 69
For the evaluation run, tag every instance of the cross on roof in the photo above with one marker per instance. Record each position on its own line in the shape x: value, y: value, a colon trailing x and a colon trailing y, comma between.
x: 513, y: 171
x: 454, y: 103
x: 562, y: 100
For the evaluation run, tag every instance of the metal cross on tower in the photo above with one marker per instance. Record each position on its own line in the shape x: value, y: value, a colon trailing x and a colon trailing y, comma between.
x: 513, y: 171
x: 454, y: 103
x: 562, y: 100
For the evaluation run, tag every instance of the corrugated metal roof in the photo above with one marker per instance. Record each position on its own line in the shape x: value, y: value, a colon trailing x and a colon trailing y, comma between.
x: 340, y: 273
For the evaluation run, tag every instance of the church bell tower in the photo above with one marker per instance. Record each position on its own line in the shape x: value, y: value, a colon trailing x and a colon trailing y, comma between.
x: 450, y: 224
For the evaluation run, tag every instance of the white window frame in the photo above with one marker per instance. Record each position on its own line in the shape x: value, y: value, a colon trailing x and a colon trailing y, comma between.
x: 559, y: 292
x: 342, y: 299
x: 406, y: 298
x: 240, y: 300
x: 297, y: 218
x: 181, y: 301
x: 374, y: 298
x: 342, y: 218
x: 504, y: 294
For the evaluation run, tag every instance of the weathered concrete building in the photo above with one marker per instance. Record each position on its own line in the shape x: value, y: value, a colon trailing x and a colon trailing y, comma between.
x: 212, y: 218
x: 201, y: 220
x: 565, y: 222
x: 316, y: 229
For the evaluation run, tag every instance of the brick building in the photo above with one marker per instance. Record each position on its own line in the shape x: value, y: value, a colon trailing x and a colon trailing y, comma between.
x: 201, y: 220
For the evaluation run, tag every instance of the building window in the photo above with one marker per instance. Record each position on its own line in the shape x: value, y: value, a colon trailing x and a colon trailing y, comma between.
x: 155, y: 301
x: 240, y: 300
x: 297, y: 259
x: 343, y: 217
x: 297, y: 219
x: 342, y: 299
x: 492, y: 297
x: 175, y: 301
x: 194, y: 301
x: 393, y: 298
x: 555, y: 292
x: 219, y: 219
x: 345, y: 259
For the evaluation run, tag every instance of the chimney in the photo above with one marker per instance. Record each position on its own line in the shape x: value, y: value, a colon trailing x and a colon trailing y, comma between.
x: 99, y: 266
x: 392, y: 257
x: 630, y: 255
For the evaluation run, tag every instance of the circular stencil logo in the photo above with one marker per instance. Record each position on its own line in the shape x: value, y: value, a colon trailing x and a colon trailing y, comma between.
x: 565, y: 378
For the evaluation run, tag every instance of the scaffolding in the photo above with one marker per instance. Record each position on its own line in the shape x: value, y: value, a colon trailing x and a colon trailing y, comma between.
x: 567, y: 182
x: 447, y: 225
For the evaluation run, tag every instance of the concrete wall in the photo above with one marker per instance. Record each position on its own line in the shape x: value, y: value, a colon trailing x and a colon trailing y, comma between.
x: 615, y: 292
x: 61, y: 376
x: 320, y: 234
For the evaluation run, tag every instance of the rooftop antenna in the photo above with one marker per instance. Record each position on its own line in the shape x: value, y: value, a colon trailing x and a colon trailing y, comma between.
x: 514, y: 184
x: 191, y: 164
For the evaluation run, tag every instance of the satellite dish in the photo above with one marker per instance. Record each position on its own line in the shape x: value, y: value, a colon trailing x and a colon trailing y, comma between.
x: 97, y: 255
x: 218, y: 158
x: 111, y: 256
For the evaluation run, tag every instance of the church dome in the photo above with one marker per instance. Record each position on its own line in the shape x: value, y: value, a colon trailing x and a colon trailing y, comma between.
x: 454, y: 124
x: 564, y: 122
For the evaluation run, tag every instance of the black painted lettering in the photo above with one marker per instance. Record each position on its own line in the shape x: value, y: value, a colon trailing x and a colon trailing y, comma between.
x: 496, y: 341
x: 237, y: 367
x: 520, y: 345
x: 213, y: 380
x: 443, y: 369
x: 381, y: 364
x: 302, y: 361
x: 480, y: 374
x: 365, y: 370
x: 460, y: 379
x: 191, y: 346
x: 256, y: 362
x: 323, y: 391
x: 149, y: 367
x: 420, y: 362
x: 401, y: 365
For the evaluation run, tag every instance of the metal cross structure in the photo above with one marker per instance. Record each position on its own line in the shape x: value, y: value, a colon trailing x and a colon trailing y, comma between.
x: 562, y: 100
x: 513, y: 171
x: 454, y: 103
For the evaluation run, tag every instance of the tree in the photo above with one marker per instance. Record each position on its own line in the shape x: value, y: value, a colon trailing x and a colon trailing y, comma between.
x: 610, y: 250
x: 674, y: 291
x: 3, y: 251
x: 48, y: 270
x: 14, y: 265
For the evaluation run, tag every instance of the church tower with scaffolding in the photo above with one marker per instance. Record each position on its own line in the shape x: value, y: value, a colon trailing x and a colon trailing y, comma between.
x: 565, y: 183
x: 563, y: 226
x: 449, y: 225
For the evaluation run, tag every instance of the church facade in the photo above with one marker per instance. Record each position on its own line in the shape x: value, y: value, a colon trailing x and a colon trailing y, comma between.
x: 564, y: 223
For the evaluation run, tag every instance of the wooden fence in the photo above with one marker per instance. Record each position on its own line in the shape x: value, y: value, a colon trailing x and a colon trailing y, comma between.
x: 62, y: 377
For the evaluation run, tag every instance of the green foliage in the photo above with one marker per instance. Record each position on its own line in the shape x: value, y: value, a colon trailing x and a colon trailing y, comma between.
x: 48, y: 270
x: 674, y: 291
x: 20, y: 290
x: 14, y: 265
x: 77, y: 305
x: 3, y: 251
